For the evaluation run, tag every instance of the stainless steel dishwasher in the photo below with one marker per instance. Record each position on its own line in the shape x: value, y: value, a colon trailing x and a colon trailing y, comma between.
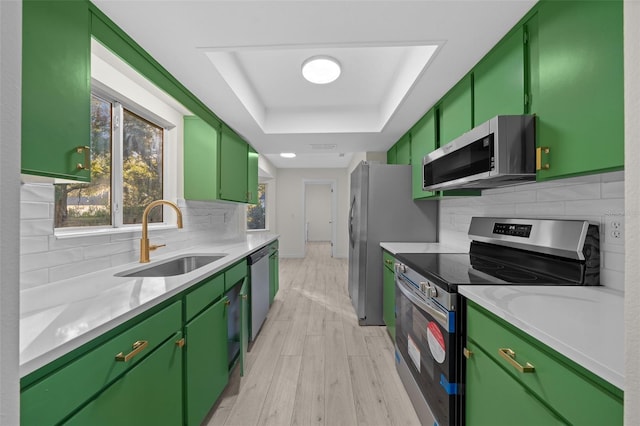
x: 259, y: 264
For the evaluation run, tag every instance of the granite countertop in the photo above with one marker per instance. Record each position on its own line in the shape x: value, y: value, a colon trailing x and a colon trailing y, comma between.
x: 59, y: 317
x: 585, y: 324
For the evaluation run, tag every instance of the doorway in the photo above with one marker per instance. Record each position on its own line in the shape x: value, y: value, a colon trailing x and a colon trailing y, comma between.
x: 319, y: 212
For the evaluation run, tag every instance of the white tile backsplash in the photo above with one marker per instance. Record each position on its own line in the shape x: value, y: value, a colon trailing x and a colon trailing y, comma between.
x: 596, y: 198
x: 46, y: 257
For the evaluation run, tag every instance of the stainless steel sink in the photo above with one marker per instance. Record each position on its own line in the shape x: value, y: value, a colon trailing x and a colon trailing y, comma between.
x: 176, y: 266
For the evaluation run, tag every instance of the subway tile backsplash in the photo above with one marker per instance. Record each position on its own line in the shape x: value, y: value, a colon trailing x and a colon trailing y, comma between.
x: 47, y: 258
x: 598, y: 198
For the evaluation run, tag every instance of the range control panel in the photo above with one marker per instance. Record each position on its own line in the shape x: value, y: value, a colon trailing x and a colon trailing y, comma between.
x: 512, y: 229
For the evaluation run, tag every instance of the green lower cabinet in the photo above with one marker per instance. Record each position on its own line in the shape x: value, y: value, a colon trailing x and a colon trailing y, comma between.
x: 554, y: 390
x: 389, y: 296
x: 494, y: 398
x: 206, y: 363
x: 148, y: 394
x: 273, y: 274
x: 244, y: 323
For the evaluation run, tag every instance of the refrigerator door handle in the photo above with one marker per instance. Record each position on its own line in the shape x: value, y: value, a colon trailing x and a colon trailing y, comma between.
x: 351, y: 237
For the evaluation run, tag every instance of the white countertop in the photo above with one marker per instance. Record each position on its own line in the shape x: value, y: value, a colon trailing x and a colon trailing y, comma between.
x: 395, y: 248
x: 59, y: 317
x: 585, y: 324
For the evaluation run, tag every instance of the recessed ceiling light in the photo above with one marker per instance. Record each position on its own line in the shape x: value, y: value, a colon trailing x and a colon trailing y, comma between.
x: 321, y: 69
x: 287, y: 154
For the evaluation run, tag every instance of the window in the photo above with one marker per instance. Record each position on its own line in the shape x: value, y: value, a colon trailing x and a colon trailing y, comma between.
x: 257, y: 213
x: 126, y: 170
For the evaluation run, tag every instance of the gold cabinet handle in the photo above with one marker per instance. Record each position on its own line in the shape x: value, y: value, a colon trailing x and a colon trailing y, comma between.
x: 244, y: 297
x: 510, y: 356
x: 542, y: 158
x: 467, y: 353
x: 388, y: 262
x: 87, y: 157
x: 180, y: 343
x: 227, y: 302
x: 137, y: 348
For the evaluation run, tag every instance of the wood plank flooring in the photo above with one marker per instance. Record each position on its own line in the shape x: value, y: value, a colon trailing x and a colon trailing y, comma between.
x: 312, y: 364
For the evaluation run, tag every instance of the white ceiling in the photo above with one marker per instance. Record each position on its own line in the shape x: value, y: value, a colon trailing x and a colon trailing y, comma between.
x: 243, y: 60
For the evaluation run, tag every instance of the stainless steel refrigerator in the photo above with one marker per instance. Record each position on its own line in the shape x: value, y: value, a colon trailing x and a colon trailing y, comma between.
x: 381, y: 209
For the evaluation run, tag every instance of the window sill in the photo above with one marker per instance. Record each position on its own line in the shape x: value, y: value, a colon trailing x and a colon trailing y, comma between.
x: 62, y: 234
x: 257, y: 230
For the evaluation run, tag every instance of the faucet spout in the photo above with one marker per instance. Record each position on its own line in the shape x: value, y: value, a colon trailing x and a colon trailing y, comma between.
x: 144, y: 241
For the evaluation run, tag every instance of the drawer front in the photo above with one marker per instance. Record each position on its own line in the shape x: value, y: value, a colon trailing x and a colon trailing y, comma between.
x: 577, y: 395
x: 206, y: 293
x: 58, y: 394
x: 235, y: 274
x: 388, y: 259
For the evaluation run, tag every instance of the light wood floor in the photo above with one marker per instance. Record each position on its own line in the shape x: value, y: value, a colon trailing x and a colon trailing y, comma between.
x: 312, y: 364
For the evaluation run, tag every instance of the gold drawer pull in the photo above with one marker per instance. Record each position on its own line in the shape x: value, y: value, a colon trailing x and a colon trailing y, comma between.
x: 388, y: 262
x: 510, y: 356
x: 542, y: 158
x: 244, y: 297
x: 137, y: 348
x: 87, y: 157
x: 180, y: 343
x: 467, y: 353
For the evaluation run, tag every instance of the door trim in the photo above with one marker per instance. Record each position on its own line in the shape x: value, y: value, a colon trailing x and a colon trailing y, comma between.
x: 333, y: 184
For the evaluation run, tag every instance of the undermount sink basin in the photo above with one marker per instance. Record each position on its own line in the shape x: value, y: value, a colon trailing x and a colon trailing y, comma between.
x: 176, y: 266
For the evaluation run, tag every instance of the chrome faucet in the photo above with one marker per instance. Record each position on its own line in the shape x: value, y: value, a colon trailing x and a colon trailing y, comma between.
x: 144, y: 241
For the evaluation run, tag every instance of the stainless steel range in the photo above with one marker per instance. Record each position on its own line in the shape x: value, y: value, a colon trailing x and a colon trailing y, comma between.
x: 430, y: 314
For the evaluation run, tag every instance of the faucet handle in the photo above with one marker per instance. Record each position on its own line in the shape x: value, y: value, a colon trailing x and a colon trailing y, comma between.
x: 156, y: 246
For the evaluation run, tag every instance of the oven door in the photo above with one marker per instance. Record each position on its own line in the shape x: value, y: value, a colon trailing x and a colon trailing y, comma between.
x: 426, y: 340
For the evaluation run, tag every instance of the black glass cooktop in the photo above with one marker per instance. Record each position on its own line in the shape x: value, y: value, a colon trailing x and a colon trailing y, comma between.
x: 449, y: 270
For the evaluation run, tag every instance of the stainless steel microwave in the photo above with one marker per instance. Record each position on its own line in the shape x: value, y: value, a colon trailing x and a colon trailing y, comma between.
x: 496, y: 153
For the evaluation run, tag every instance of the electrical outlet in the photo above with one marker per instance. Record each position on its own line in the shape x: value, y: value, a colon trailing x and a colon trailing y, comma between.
x: 614, y: 230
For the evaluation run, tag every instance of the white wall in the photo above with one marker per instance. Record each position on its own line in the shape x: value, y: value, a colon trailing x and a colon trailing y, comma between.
x: 318, y: 212
x: 10, y: 88
x: 597, y: 198
x: 632, y: 211
x: 290, y: 207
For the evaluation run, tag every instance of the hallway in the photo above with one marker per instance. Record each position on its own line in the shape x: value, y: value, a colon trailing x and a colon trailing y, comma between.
x: 312, y: 363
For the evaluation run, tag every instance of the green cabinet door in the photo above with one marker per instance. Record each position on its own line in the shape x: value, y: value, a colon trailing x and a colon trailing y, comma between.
x: 273, y: 274
x: 206, y: 362
x: 200, y: 160
x: 423, y: 141
x: 499, y: 80
x: 391, y: 155
x: 252, y: 175
x: 493, y: 397
x: 148, y: 394
x: 403, y: 150
x: 389, y: 295
x: 577, y: 86
x: 455, y: 112
x: 233, y: 166
x: 56, y: 91
x: 244, y: 323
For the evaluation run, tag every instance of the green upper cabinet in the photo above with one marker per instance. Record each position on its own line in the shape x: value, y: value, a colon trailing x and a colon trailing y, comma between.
x: 455, y: 112
x: 56, y: 90
x: 233, y: 166
x: 218, y: 165
x: 252, y: 176
x: 577, y: 86
x: 499, y: 80
x: 403, y: 149
x: 200, y: 160
x: 423, y: 141
x: 391, y: 155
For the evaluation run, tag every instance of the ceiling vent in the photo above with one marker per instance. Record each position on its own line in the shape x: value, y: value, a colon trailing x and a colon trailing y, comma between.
x: 323, y: 146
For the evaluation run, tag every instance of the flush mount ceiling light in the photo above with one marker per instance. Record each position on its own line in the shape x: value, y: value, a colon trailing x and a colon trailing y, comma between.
x: 321, y: 69
x: 287, y: 154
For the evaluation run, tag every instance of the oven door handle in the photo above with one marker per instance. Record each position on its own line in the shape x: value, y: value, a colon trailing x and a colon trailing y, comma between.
x: 439, y: 316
